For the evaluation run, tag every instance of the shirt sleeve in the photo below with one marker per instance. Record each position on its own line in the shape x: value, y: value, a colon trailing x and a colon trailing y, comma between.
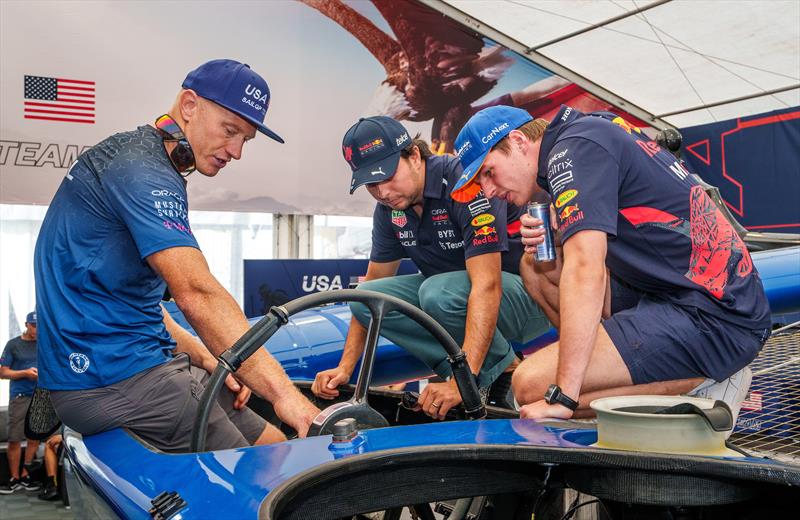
x: 7, y: 358
x: 152, y: 204
x: 584, y: 181
x: 483, y: 225
x: 385, y: 245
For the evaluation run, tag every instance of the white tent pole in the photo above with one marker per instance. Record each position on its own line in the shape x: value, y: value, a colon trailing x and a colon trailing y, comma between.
x: 597, y: 25
x: 732, y: 100
x: 542, y: 60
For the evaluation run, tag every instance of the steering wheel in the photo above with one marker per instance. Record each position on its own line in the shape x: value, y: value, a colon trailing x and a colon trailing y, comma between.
x: 357, y: 407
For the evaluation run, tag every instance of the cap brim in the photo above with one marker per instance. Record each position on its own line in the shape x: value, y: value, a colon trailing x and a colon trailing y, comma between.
x: 261, y: 127
x: 466, y: 189
x: 378, y: 171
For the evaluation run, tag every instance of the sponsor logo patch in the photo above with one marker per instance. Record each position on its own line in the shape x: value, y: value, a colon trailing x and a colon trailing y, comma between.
x: 478, y: 206
x: 569, y: 210
x: 572, y: 219
x: 482, y: 220
x: 626, y: 125
x: 79, y: 363
x: 371, y: 147
x: 399, y: 218
x: 565, y: 197
x: 560, y: 181
x: 485, y: 231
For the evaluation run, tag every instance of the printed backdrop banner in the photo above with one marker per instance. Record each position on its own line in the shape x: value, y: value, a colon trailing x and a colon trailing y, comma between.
x: 755, y: 163
x: 73, y: 73
x: 275, y: 282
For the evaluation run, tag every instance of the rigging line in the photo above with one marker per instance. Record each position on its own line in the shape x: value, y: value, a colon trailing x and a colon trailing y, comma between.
x: 687, y: 48
x: 650, y: 40
x: 677, y: 65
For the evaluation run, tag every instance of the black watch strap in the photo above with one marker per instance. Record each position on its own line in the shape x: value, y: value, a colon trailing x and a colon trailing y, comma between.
x: 554, y: 395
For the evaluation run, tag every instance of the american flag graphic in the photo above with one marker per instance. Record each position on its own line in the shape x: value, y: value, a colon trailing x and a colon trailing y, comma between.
x: 58, y: 99
x: 753, y: 402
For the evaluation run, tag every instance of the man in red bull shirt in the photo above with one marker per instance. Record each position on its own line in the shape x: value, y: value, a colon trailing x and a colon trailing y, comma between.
x: 633, y: 221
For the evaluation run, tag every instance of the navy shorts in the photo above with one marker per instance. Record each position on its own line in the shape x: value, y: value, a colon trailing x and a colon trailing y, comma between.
x: 661, y: 341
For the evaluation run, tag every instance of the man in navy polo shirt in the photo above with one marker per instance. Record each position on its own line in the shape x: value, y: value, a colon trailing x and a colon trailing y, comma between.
x: 115, y: 236
x: 468, y: 255
x: 622, y: 202
x: 18, y: 363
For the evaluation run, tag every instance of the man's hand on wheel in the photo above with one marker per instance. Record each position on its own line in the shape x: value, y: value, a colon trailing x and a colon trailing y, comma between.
x: 327, y: 381
x: 241, y: 391
x: 438, y: 398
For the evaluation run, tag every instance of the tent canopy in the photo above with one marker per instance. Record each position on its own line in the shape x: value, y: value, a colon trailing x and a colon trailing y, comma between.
x: 680, y: 63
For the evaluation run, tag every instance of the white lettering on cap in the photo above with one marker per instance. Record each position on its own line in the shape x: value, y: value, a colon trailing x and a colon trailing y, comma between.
x: 491, y: 135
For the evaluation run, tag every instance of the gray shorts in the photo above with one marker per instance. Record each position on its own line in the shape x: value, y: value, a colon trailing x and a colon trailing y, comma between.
x: 17, y: 408
x: 160, y: 405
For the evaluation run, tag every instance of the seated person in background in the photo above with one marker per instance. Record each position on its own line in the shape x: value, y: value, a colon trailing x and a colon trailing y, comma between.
x: 468, y: 254
x: 50, y: 491
x: 622, y: 202
x: 18, y: 363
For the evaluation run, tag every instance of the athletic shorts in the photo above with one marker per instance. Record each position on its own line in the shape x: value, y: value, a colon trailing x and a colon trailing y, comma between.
x: 160, y: 405
x: 661, y: 341
x: 17, y: 409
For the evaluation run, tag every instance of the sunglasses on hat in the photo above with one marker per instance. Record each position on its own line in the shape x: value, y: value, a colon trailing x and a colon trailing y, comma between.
x: 182, y: 156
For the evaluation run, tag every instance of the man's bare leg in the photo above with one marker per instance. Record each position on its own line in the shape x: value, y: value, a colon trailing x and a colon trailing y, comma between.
x: 270, y: 435
x: 14, y: 452
x: 541, y: 283
x: 674, y: 387
x: 606, y: 376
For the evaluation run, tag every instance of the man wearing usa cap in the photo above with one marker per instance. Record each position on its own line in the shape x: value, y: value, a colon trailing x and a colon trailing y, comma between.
x: 115, y: 237
x: 699, y: 314
x: 468, y: 255
x: 18, y: 363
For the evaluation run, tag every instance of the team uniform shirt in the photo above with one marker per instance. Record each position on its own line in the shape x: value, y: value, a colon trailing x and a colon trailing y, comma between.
x: 20, y: 354
x: 99, y: 319
x: 447, y: 232
x: 665, y: 235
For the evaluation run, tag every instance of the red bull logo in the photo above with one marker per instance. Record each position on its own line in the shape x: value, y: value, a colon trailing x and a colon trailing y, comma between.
x: 485, y: 231
x: 569, y: 210
x: 626, y: 125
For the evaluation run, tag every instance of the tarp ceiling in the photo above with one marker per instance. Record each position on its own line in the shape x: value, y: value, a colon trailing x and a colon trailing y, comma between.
x: 659, y: 60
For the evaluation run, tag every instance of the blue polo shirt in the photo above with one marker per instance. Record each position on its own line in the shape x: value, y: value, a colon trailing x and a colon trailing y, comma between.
x: 20, y: 354
x: 665, y: 235
x: 97, y: 298
x: 447, y: 232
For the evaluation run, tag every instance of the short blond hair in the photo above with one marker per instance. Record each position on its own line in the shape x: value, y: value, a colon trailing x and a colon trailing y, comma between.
x: 533, y: 130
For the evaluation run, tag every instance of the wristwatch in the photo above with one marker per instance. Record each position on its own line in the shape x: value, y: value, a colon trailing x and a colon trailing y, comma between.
x: 554, y: 395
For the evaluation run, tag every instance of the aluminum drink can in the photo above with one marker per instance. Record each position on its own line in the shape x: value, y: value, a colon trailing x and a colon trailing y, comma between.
x: 546, y: 251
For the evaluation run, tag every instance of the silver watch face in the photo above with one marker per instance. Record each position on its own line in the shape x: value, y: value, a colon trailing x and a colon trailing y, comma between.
x: 550, y: 394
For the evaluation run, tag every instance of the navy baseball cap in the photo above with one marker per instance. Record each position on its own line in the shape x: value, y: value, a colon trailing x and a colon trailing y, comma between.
x: 372, y: 149
x: 31, y: 318
x: 235, y: 86
x: 483, y: 130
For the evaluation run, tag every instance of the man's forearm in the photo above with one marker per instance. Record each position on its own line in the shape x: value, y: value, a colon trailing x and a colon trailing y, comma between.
x: 482, y: 309
x: 581, y: 295
x: 219, y: 322
x: 7, y: 373
x: 353, y: 345
x: 186, y: 342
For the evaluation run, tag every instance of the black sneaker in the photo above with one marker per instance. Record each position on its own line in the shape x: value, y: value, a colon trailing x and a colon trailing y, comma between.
x: 500, y: 392
x: 30, y: 485
x: 9, y: 487
x: 50, y: 492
